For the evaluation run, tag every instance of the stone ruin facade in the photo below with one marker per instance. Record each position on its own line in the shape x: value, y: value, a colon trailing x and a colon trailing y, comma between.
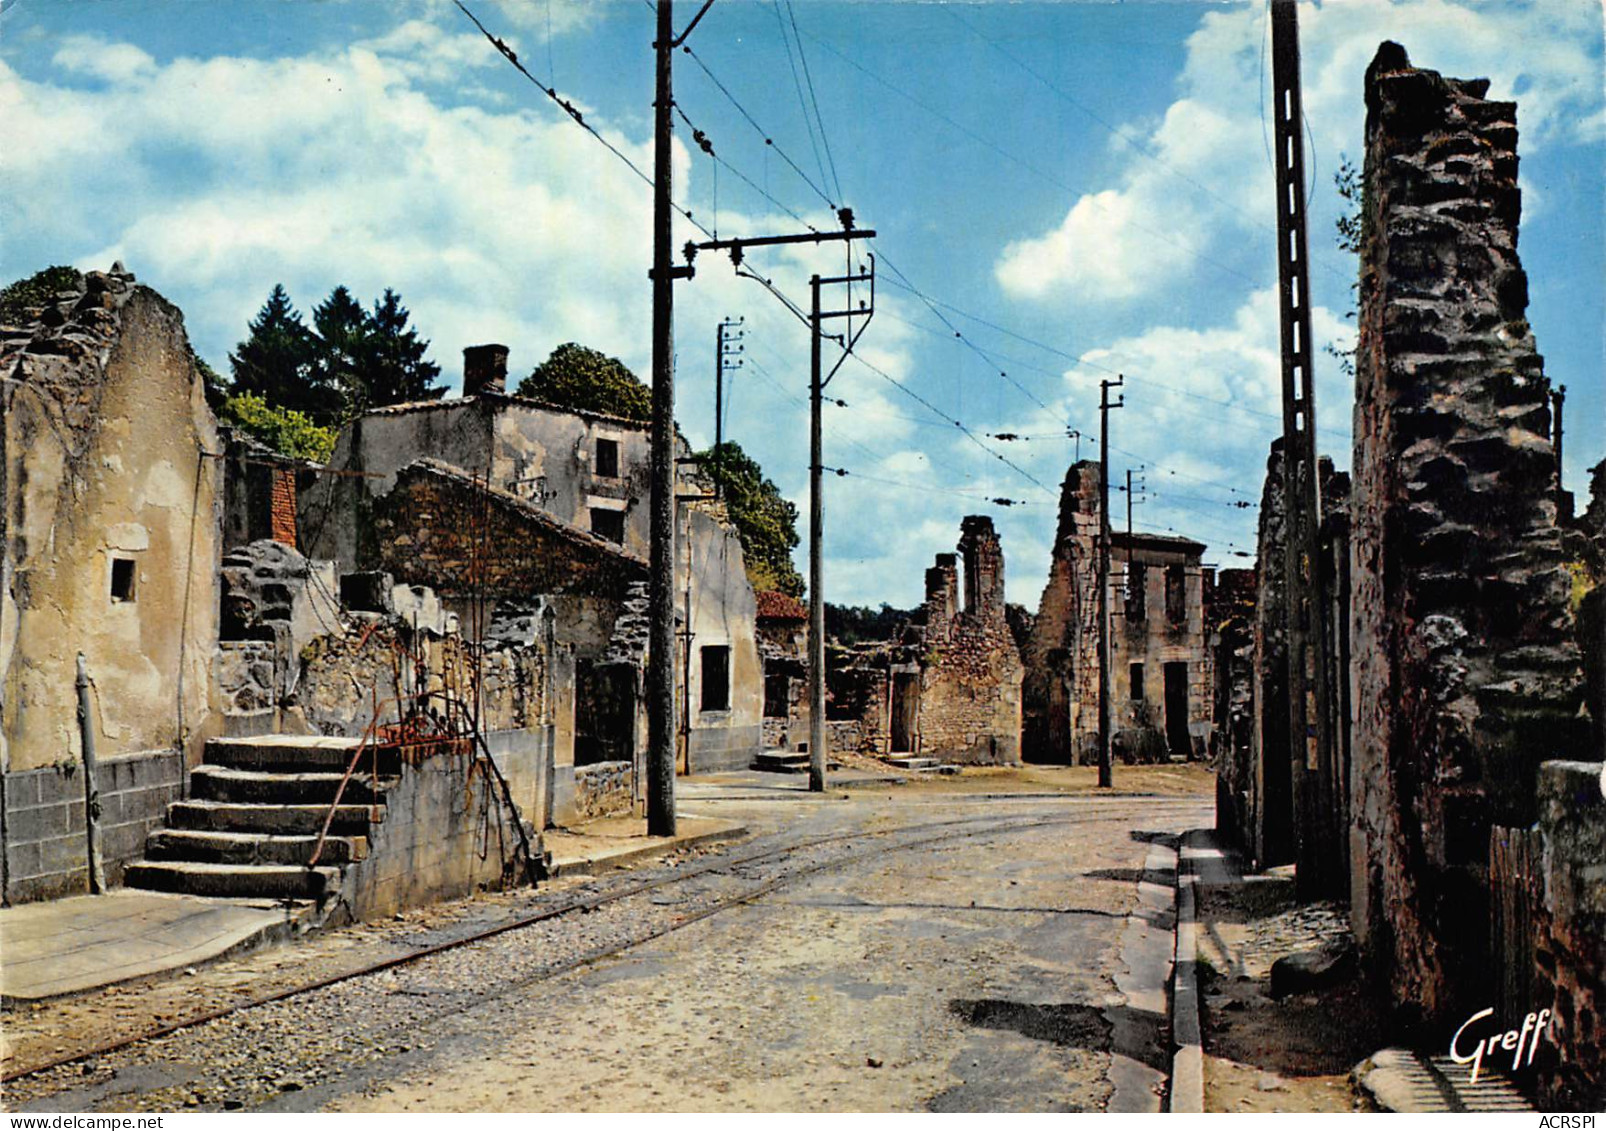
x: 1161, y: 668
x: 113, y: 495
x: 1464, y: 665
x: 950, y: 686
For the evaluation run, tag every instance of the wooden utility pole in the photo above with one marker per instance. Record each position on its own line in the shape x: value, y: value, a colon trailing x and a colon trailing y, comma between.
x: 1318, y: 852
x: 817, y: 383
x: 1105, y: 405
x: 661, y: 563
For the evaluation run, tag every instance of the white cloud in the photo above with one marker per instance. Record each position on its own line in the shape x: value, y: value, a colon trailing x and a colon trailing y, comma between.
x: 1202, y: 182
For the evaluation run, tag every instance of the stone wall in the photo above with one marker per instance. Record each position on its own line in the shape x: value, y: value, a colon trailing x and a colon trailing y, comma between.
x: 970, y: 669
x: 1061, y: 654
x: 1465, y: 671
x: 1569, y: 931
x: 441, y: 528
x: 113, y: 510
x: 1271, y: 804
x: 1230, y: 620
x: 603, y: 789
x: 46, y: 847
x: 446, y: 834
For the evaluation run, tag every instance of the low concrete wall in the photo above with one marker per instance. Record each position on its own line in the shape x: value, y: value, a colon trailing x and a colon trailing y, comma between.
x: 717, y: 748
x: 46, y: 853
x: 445, y: 835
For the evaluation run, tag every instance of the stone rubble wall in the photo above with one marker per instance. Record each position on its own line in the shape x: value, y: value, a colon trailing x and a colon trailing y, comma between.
x: 1570, y: 936
x: 1060, y: 658
x: 1465, y: 670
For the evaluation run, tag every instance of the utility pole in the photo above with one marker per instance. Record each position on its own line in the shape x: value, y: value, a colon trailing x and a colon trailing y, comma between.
x: 722, y: 362
x: 817, y: 383
x: 661, y: 564
x: 1104, y: 574
x: 1318, y: 847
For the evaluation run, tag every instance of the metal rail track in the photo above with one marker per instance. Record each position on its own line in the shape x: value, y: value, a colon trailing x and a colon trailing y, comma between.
x: 592, y: 903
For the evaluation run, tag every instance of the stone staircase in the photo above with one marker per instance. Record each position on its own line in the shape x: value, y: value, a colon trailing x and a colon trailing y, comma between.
x: 787, y: 762
x: 252, y: 820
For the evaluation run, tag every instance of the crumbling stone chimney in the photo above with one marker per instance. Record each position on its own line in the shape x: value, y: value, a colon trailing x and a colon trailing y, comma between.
x: 484, y: 370
x: 942, y: 592
x: 984, y: 568
x: 1464, y: 667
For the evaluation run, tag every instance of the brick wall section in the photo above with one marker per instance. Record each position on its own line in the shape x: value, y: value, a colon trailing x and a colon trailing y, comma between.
x: 1465, y: 672
x: 438, y: 525
x: 282, y: 506
x: 46, y: 848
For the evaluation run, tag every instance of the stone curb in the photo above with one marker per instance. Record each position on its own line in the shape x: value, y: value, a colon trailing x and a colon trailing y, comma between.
x: 1187, y: 1062
x: 609, y: 859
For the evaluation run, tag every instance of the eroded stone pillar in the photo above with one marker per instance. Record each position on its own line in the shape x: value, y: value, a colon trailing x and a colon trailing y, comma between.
x: 1465, y: 675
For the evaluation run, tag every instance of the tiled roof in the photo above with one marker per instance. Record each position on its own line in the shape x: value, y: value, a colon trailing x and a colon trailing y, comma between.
x: 778, y: 606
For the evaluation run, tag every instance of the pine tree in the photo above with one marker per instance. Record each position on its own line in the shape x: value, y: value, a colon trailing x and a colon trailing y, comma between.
x: 395, y: 369
x: 341, y: 350
x: 275, y: 362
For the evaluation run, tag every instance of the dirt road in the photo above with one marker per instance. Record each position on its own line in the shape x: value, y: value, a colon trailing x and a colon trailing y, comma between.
x: 999, y: 948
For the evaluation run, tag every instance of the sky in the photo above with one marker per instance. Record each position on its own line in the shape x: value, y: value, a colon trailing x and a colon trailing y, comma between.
x: 1061, y: 193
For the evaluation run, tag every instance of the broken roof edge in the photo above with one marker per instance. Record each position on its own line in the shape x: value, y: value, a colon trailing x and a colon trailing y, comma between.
x: 508, y: 399
x: 1139, y: 538
x: 524, y: 507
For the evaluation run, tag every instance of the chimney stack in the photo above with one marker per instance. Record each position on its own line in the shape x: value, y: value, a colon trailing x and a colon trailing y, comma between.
x: 484, y: 370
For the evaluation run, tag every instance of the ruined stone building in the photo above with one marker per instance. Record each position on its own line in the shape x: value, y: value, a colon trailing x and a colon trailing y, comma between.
x: 1161, y: 670
x: 949, y: 686
x: 783, y: 629
x: 1457, y: 606
x: 112, y: 532
x: 1465, y: 667
x: 588, y: 473
x: 360, y: 687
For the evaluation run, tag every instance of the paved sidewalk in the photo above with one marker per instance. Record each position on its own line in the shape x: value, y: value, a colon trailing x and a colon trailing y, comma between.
x: 65, y: 946
x: 613, y: 842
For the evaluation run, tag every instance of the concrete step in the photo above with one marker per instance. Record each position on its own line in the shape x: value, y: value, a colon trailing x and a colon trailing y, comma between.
x: 782, y: 762
x: 913, y: 762
x: 294, y: 753
x: 270, y: 881
x: 205, y: 847
x: 230, y: 783
x: 281, y: 820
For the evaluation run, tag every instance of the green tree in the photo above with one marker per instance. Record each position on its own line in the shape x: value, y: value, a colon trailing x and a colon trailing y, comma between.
x: 340, y: 352
x: 284, y: 430
x: 394, y: 368
x: 579, y: 378
x: 766, y: 522
x: 19, y: 299
x: 276, y: 362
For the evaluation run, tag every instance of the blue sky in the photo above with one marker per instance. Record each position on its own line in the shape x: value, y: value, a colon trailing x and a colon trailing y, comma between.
x: 1079, y: 189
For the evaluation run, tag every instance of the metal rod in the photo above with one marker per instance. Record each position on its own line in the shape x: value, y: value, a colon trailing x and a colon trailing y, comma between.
x: 86, y: 731
x: 771, y: 241
x: 661, y: 587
